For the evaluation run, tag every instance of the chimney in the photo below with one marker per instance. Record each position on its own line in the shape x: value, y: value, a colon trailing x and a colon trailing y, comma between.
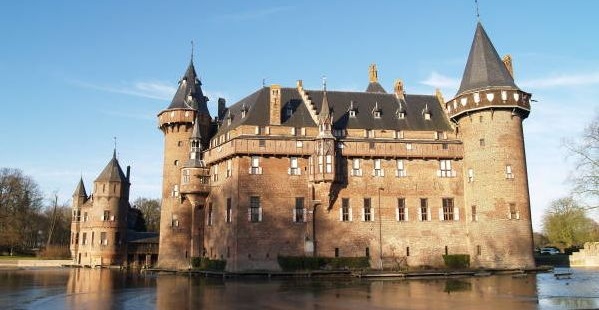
x: 221, y: 107
x: 275, y: 105
x: 507, y: 61
x: 398, y: 89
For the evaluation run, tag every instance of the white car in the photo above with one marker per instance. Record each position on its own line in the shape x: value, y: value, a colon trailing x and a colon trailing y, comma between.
x: 549, y: 251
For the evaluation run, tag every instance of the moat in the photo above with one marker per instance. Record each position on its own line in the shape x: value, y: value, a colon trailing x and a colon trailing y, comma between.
x: 112, y: 289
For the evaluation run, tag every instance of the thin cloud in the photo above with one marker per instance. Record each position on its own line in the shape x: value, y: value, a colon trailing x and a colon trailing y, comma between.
x: 252, y: 14
x: 564, y: 80
x: 151, y: 90
x: 440, y: 81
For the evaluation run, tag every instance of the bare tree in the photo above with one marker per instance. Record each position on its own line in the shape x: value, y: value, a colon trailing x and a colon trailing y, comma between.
x: 585, y: 150
x: 566, y: 224
x: 150, y: 208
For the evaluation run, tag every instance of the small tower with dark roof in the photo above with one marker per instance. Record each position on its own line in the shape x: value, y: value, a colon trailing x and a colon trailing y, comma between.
x: 488, y: 110
x: 187, y: 115
x: 322, y: 162
x: 79, y: 199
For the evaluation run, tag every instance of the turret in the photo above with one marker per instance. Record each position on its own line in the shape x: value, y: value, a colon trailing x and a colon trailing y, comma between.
x: 323, y: 158
x: 488, y: 110
x: 195, y: 176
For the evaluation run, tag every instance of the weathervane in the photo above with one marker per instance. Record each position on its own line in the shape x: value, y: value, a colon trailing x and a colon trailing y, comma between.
x: 477, y: 14
x: 324, y: 82
x: 191, y: 50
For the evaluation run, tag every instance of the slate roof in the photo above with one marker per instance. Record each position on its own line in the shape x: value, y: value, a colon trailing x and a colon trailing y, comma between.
x: 189, y: 84
x: 484, y: 68
x: 257, y: 105
x: 375, y: 87
x: 80, y: 189
x: 112, y: 172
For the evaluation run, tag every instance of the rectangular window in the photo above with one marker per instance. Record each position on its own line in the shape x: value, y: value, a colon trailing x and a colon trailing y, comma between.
x: 210, y: 214
x: 106, y: 216
x: 255, y: 165
x: 378, y: 171
x: 481, y: 142
x: 508, y: 172
x: 215, y: 173
x: 255, y: 211
x: 174, y: 221
x: 367, y: 215
x: 514, y: 213
x: 470, y: 175
x: 228, y: 216
x: 448, y: 212
x: 356, y: 171
x: 185, y: 179
x: 262, y: 143
x: 84, y: 241
x: 474, y: 215
x: 424, y: 214
x: 402, y: 211
x: 445, y: 169
x: 299, y: 212
x: 92, y: 241
x: 371, y: 145
x: 175, y: 192
x: 294, y: 166
x: 85, y: 216
x: 401, y: 170
x: 229, y: 168
x: 336, y: 252
x: 103, y: 238
x: 345, y: 210
x: 409, y: 146
x: 328, y: 163
x: 398, y: 134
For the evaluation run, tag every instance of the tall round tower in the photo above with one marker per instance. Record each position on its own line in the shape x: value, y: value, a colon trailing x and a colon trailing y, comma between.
x: 176, y: 122
x: 488, y: 110
x: 111, y: 204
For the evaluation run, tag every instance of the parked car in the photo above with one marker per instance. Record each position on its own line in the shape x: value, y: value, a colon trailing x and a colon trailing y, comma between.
x: 549, y: 251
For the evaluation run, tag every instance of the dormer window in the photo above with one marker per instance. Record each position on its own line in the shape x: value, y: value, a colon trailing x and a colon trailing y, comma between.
x: 244, y: 110
x: 352, y: 109
x: 352, y: 113
x: 376, y: 112
x: 289, y: 111
x: 426, y: 112
x: 401, y: 111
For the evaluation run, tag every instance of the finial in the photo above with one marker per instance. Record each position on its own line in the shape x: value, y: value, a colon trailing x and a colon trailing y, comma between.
x: 114, y: 152
x: 263, y: 82
x: 324, y: 83
x: 192, y: 51
x: 477, y: 13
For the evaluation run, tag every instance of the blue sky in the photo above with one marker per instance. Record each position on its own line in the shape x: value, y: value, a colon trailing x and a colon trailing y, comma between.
x: 74, y: 74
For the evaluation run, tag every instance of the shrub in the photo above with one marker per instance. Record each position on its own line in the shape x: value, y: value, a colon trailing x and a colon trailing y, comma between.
x: 457, y: 261
x: 55, y: 252
x: 204, y: 263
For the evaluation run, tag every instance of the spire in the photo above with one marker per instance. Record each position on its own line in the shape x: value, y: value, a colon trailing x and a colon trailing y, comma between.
x: 484, y: 68
x: 112, y: 172
x: 189, y: 95
x: 80, y: 189
x: 195, y: 134
x: 325, y: 109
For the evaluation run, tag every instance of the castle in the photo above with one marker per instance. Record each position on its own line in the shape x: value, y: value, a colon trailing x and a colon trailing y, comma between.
x: 288, y: 171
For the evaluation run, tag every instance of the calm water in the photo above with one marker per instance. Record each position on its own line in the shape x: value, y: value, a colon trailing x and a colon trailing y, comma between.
x: 109, y: 289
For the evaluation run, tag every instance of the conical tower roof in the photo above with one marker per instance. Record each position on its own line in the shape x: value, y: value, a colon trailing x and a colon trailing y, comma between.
x: 484, y: 68
x: 189, y: 95
x: 80, y: 189
x: 112, y: 172
x: 325, y: 110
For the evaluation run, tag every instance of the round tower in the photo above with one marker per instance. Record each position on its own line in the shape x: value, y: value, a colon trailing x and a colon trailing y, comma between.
x: 488, y: 110
x: 176, y: 122
x: 79, y: 198
x: 110, y: 206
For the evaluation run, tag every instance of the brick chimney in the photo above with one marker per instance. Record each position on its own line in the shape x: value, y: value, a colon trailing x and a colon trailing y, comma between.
x: 275, y: 105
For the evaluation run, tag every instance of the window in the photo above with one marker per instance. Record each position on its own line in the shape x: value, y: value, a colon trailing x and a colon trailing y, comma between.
x: 478, y: 250
x: 356, y: 171
x: 229, y: 168
x: 299, y: 212
x: 474, y: 215
x: 106, y: 216
x: 84, y: 239
x: 508, y: 172
x: 481, y: 142
x: 175, y: 192
x: 401, y: 170
x: 328, y: 163
x: 174, y: 221
x: 255, y: 211
x: 103, y: 238
x: 345, y: 212
x: 398, y: 134
x: 228, y: 215
x: 367, y: 252
x: 448, y: 210
x: 258, y: 130
x: 514, y: 213
x: 409, y: 146
x: 294, y: 166
x: 402, y: 211
x: 262, y: 143
x: 445, y: 169
x: 289, y: 111
x: 352, y: 113
x: 209, y: 214
x: 299, y: 144
x: 439, y: 135
x: 336, y: 252
x: 185, y: 179
x: 376, y: 114
x: 76, y: 238
x: 371, y: 145
x: 255, y: 165
x: 378, y: 171
x: 92, y: 240
x: 215, y: 173
x: 368, y: 214
x: 424, y: 215
x: 470, y: 175
x: 85, y: 216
